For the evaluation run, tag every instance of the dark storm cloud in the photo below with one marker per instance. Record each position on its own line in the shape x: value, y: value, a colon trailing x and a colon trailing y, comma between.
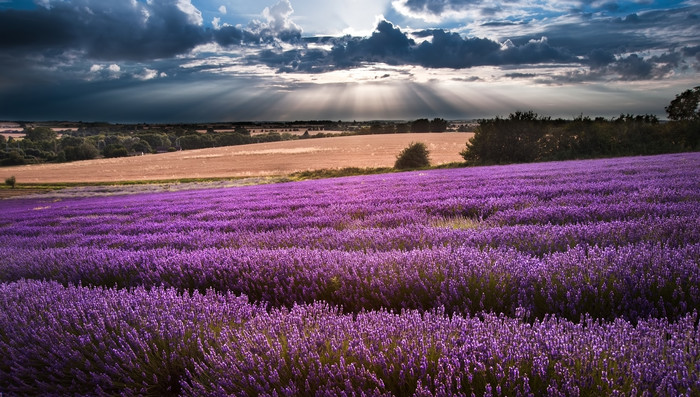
x: 634, y: 67
x: 388, y: 44
x: 452, y: 51
x: 160, y: 29
x: 102, y: 30
x: 599, y: 58
x: 123, y: 30
x: 651, y: 30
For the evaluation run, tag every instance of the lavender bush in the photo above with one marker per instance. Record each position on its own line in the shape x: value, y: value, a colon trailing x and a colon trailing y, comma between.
x: 81, y: 340
x: 556, y: 278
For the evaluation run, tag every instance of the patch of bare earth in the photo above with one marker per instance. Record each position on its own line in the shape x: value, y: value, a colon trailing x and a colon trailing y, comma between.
x: 9, y: 193
x: 264, y: 159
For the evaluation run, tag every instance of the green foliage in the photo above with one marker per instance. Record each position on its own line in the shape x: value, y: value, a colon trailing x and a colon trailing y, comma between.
x: 195, y: 141
x: 39, y: 134
x: 68, y: 140
x: 415, y: 155
x: 335, y: 172
x: 242, y: 131
x: 11, y: 181
x: 84, y: 151
x: 115, y: 150
x: 425, y: 125
x: 14, y: 157
x: 511, y: 140
x: 141, y: 147
x: 230, y: 139
x: 686, y: 106
x: 438, y: 125
x: 526, y: 137
x: 155, y: 140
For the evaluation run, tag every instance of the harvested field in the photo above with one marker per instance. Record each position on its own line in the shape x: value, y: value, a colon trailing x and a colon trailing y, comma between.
x: 275, y: 158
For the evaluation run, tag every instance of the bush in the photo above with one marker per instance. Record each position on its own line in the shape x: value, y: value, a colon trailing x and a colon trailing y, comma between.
x: 414, y: 155
x: 84, y: 151
x: 15, y: 157
x: 11, y: 181
x: 115, y: 150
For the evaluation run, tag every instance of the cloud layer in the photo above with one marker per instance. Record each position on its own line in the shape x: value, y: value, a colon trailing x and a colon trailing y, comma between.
x: 90, y: 46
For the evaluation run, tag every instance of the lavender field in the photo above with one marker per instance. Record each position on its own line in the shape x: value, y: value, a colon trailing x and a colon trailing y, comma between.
x: 568, y: 278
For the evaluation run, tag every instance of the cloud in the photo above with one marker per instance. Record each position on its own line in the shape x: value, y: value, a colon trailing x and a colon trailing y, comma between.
x: 389, y: 45
x: 437, y: 10
x: 635, y: 67
x: 120, y: 30
x: 277, y: 27
x: 599, y: 58
x: 222, y: 9
x: 277, y: 23
x: 77, y: 41
x: 146, y: 74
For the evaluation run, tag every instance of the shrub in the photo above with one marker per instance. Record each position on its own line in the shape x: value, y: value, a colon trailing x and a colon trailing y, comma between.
x: 11, y: 181
x: 84, y: 151
x: 414, y: 155
x: 15, y: 157
x: 115, y: 150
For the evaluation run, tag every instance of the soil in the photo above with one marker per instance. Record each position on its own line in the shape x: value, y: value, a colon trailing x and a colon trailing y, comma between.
x: 256, y: 160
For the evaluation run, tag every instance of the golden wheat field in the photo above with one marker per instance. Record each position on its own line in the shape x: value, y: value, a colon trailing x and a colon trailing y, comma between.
x: 264, y: 159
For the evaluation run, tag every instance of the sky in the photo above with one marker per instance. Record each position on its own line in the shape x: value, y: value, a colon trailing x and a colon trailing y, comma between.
x: 131, y: 61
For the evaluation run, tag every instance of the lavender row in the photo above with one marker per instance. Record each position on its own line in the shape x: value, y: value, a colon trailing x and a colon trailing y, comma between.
x: 79, y: 340
x: 334, y: 203
x: 576, y: 192
x: 632, y: 282
x: 357, y: 217
x: 674, y: 231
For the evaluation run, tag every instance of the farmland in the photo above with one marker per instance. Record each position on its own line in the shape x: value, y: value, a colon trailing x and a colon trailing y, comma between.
x: 561, y: 278
x: 264, y: 159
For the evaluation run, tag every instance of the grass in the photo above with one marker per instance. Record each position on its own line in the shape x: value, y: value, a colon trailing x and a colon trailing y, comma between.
x: 335, y: 172
x: 30, y: 188
x: 354, y: 171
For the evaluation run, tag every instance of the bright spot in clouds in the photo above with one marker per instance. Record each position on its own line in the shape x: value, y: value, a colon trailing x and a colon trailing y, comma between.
x: 157, y: 60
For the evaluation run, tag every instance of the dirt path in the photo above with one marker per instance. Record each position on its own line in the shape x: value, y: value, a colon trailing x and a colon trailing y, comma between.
x: 264, y: 159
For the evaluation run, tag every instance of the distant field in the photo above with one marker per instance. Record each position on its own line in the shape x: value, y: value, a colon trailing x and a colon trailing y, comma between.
x: 275, y: 158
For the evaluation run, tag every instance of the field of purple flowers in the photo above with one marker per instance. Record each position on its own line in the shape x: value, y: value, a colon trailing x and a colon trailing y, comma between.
x: 566, y: 278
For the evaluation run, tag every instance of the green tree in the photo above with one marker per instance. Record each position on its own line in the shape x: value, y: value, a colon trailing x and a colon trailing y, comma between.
x: 142, y: 147
x: 415, y: 155
x: 512, y: 140
x: 242, y: 131
x: 68, y: 141
x: 438, y: 125
x: 115, y: 150
x: 685, y: 106
x: 420, y: 125
x: 14, y: 157
x: 11, y: 181
x: 155, y: 141
x: 39, y: 134
x: 84, y: 151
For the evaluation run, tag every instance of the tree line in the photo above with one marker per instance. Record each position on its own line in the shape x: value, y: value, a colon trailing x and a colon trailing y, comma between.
x: 526, y: 136
x: 43, y: 144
